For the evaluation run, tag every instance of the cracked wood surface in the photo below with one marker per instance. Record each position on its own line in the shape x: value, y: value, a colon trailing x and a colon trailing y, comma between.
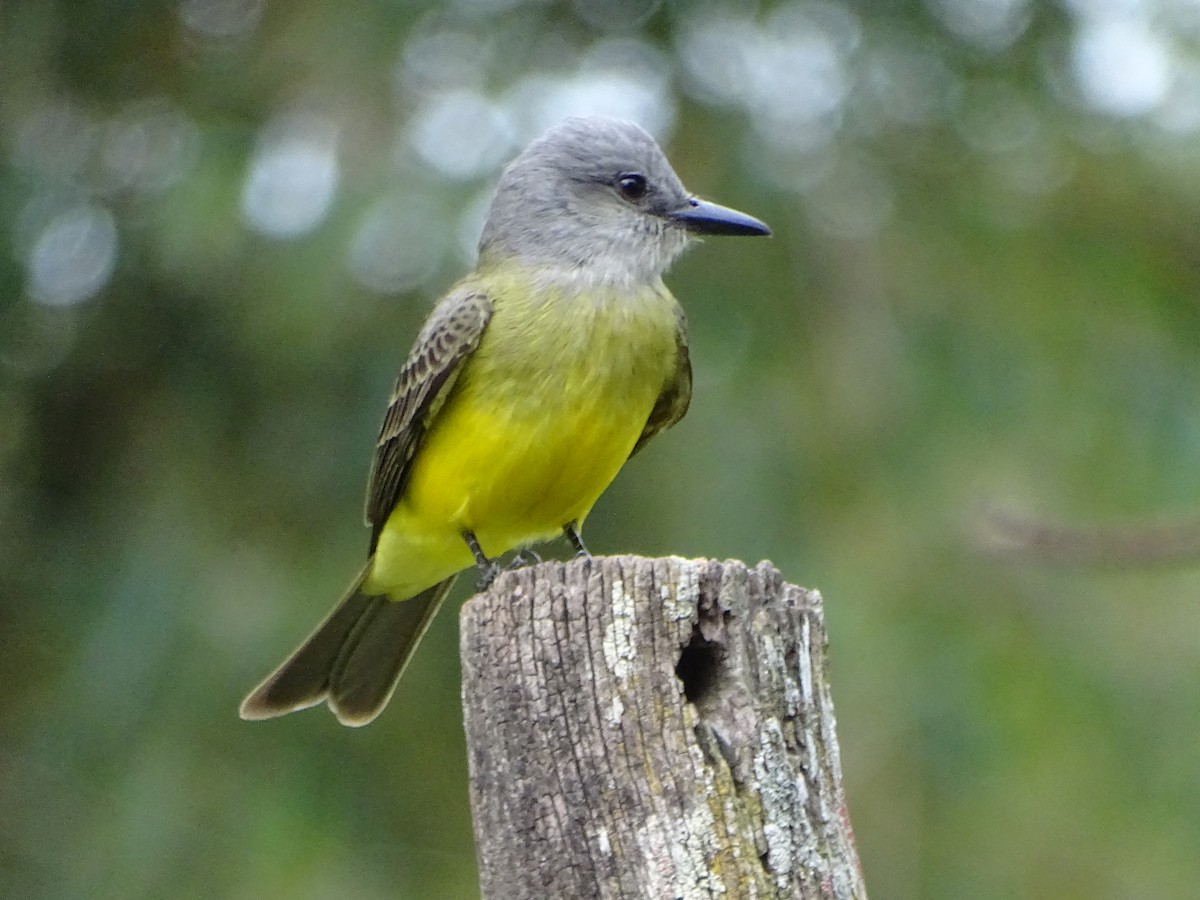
x: 653, y: 728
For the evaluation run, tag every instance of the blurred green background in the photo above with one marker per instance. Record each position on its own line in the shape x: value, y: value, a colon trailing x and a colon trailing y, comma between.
x: 223, y: 221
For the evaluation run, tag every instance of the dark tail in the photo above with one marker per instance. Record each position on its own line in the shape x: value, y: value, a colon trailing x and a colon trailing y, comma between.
x: 353, y: 659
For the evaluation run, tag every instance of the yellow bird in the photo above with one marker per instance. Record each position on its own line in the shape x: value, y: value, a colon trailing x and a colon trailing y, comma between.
x: 530, y: 384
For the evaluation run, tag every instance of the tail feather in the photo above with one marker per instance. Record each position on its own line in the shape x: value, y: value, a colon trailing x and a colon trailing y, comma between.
x: 374, y: 658
x: 352, y: 660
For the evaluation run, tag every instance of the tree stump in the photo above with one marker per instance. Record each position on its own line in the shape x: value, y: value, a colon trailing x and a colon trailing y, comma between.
x: 653, y: 728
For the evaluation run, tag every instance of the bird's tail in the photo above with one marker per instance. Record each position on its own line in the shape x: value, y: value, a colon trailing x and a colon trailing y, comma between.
x: 353, y: 659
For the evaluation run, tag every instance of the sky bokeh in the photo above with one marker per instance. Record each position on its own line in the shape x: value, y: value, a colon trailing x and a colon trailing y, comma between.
x: 958, y: 392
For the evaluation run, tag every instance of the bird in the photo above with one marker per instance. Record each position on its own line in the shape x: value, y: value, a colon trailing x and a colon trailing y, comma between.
x: 529, y: 385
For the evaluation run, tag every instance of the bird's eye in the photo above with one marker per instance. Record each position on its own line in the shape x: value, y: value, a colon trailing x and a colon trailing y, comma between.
x: 632, y: 186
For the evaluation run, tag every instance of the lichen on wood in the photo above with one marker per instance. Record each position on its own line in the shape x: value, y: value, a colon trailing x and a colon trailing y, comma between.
x: 652, y: 729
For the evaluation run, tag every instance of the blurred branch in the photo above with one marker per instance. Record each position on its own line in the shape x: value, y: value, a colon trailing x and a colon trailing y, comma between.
x: 1011, y: 534
x: 653, y: 728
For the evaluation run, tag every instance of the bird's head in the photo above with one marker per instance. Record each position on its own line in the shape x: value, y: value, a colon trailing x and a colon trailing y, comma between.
x: 597, y: 197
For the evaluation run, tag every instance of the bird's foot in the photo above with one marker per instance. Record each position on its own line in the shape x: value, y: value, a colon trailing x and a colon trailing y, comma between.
x: 487, y: 574
x: 571, y: 530
x: 488, y: 568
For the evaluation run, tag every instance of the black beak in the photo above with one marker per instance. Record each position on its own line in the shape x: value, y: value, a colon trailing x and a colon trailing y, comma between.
x: 702, y: 217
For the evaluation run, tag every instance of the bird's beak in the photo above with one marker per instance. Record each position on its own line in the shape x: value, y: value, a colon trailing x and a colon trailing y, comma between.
x: 702, y: 217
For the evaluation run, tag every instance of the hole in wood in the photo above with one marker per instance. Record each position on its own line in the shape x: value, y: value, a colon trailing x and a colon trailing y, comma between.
x: 699, y: 667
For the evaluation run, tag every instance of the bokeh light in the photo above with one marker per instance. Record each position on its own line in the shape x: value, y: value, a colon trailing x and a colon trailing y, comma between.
x: 73, y: 256
x: 293, y: 176
x: 148, y: 147
x: 221, y: 20
x: 992, y: 25
x: 1122, y: 66
x: 396, y: 247
x: 462, y: 134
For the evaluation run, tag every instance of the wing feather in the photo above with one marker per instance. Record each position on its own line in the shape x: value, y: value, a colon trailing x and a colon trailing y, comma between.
x: 448, y: 338
x: 676, y: 394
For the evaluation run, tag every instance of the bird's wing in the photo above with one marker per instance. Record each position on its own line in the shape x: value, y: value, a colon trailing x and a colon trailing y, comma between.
x: 450, y: 335
x: 676, y: 394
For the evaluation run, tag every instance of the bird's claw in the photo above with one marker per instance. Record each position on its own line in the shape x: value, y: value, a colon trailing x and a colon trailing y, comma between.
x: 487, y: 575
x: 524, y: 558
x: 488, y: 568
x: 571, y: 531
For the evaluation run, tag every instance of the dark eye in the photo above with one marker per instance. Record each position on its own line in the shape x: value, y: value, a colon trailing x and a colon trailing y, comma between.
x: 632, y: 186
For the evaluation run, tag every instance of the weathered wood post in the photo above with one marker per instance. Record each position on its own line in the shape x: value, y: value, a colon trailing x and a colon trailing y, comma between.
x: 653, y: 728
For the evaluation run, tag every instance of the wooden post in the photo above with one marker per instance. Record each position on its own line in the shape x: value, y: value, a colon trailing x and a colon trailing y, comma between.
x: 653, y: 728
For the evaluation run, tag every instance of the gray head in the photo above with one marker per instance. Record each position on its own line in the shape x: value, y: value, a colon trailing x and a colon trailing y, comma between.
x: 598, y: 198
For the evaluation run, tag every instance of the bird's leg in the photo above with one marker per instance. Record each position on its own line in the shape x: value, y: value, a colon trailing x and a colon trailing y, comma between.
x: 488, y: 570
x: 524, y: 557
x: 571, y: 530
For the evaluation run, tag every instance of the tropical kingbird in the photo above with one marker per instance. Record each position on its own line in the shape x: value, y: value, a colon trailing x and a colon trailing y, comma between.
x: 529, y: 385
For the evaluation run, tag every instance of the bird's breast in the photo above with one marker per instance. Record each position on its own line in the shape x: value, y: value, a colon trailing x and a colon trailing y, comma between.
x: 563, y: 349
x: 546, y: 411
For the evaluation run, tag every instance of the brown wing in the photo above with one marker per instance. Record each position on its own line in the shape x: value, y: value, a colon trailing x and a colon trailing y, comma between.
x: 676, y: 394
x: 449, y: 336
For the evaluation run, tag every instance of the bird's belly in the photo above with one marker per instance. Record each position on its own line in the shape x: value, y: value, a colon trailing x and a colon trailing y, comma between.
x: 515, y: 474
x: 510, y: 480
